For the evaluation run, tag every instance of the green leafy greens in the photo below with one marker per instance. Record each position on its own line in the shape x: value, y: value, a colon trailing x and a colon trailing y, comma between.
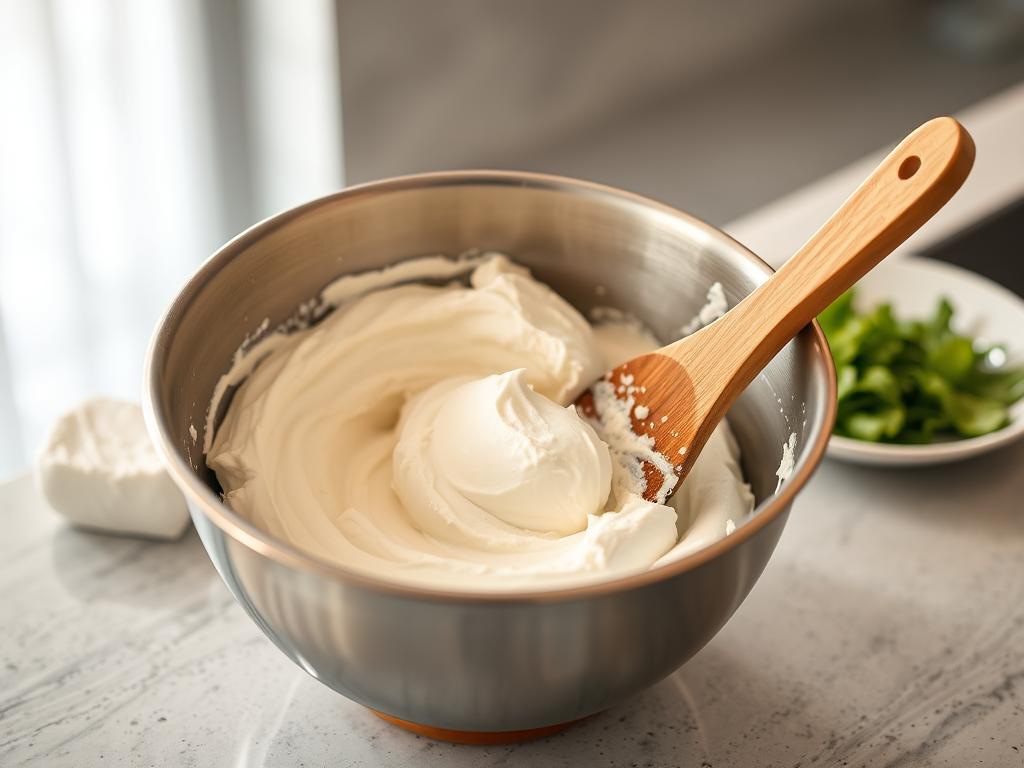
x: 914, y: 381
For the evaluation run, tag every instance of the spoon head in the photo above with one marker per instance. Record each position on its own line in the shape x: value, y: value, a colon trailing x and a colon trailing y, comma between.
x: 645, y: 411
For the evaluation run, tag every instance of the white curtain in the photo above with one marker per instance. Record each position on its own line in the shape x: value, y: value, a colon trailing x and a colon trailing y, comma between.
x: 136, y: 136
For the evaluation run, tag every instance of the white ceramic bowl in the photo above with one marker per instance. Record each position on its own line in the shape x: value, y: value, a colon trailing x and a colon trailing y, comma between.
x: 984, y: 310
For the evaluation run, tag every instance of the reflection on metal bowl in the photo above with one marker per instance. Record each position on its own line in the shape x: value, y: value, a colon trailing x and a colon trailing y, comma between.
x: 471, y: 662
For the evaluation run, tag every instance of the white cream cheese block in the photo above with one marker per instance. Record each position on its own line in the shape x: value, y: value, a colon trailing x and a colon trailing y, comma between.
x: 99, y: 470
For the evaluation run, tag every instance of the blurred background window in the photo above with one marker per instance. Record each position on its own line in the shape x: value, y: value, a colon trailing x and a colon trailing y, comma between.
x: 138, y: 135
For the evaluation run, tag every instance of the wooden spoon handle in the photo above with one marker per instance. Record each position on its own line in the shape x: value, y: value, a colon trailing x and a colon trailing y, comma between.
x: 904, y: 191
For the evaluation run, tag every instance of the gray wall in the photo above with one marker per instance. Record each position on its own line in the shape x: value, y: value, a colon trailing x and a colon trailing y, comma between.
x: 717, y: 107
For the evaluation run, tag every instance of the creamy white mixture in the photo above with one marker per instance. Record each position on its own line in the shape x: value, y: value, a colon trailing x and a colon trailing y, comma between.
x: 425, y: 435
x: 714, y: 307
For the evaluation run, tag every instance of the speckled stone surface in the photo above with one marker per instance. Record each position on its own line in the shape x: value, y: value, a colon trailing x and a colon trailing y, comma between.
x: 888, y: 630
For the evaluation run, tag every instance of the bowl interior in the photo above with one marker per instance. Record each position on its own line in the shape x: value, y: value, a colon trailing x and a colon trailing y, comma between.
x: 593, y: 245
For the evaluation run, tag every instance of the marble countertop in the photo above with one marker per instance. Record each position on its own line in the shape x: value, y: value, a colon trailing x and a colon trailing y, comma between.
x: 888, y: 629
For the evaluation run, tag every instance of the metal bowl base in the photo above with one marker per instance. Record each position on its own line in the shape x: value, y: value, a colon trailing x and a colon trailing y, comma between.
x: 477, y: 738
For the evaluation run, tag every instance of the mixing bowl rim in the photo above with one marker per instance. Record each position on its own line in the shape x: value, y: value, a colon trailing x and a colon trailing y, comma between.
x: 264, y: 544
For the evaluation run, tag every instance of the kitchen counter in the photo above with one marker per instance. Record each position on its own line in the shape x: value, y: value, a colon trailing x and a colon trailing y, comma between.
x: 888, y: 629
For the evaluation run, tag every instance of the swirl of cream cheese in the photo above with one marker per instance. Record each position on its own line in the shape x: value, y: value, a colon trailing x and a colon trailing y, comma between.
x: 473, y: 453
x: 421, y: 434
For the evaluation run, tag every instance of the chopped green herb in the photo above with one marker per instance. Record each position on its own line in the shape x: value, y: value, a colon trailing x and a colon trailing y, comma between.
x: 914, y: 381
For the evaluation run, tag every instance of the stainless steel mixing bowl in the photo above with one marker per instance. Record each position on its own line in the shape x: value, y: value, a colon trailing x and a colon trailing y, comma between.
x: 466, y: 661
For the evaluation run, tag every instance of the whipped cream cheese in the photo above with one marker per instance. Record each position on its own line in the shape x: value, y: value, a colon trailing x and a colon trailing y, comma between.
x: 501, y: 453
x: 425, y: 434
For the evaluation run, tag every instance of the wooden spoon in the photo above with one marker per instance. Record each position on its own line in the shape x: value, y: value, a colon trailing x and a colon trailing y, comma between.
x: 678, y: 394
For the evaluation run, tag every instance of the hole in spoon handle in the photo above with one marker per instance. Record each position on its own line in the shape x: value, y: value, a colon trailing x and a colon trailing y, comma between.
x: 909, y: 167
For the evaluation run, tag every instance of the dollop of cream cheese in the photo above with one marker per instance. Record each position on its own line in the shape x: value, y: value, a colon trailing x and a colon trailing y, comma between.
x: 426, y: 435
x: 493, y: 450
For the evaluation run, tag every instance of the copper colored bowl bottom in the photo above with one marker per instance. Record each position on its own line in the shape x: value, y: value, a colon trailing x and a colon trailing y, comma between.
x: 477, y: 738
